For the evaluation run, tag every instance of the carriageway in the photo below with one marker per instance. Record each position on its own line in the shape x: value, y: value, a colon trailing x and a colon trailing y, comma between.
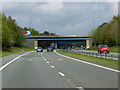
x: 35, y: 41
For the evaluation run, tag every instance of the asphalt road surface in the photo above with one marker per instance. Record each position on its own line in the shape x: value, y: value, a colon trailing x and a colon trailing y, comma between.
x: 50, y: 70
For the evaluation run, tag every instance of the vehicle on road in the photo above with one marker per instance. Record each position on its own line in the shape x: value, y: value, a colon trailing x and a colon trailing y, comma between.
x: 103, y: 49
x: 82, y: 48
x: 49, y: 49
x: 76, y: 48
x: 39, y: 49
x: 69, y: 48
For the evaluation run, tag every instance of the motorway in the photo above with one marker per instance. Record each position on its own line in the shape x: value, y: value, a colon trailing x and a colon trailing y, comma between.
x: 51, y: 70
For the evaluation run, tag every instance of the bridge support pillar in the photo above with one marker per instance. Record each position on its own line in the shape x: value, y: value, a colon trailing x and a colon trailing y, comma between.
x: 35, y: 44
x: 55, y: 45
x: 87, y: 43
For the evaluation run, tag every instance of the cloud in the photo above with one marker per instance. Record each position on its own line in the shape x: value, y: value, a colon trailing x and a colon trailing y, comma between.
x: 114, y: 8
x: 0, y: 6
x: 51, y: 7
x: 10, y: 6
x: 60, y: 0
x: 62, y: 18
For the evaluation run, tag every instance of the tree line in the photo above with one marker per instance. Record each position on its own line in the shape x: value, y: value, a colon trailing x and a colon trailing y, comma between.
x: 11, y: 35
x: 108, y: 33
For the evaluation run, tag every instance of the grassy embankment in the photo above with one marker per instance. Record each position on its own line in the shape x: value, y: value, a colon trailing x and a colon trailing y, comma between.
x: 112, y: 49
x: 15, y: 50
x: 100, y: 61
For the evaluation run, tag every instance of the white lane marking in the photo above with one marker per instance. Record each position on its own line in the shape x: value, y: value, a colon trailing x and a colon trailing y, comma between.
x: 80, y: 88
x: 69, y: 80
x: 59, y: 59
x: 61, y: 74
x: 29, y: 59
x: 52, y: 66
x: 13, y: 61
x: 42, y: 55
x: 88, y: 63
x: 47, y: 62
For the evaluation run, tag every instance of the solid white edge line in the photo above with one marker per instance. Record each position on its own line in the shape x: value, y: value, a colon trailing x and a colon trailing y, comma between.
x: 4, y: 66
x: 88, y: 63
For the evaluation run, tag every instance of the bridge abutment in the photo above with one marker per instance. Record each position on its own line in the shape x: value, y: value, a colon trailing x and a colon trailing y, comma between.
x: 35, y: 44
x: 88, y: 43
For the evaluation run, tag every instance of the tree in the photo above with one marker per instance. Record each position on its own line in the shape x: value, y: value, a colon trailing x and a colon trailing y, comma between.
x: 11, y: 33
x: 107, y: 33
x: 20, y: 38
x: 7, y: 40
x: 46, y: 32
x: 34, y: 32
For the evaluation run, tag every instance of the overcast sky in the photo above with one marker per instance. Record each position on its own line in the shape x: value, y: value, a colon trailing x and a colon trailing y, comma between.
x: 62, y: 18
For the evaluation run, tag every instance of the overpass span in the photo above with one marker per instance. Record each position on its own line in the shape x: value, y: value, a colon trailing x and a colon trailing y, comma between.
x: 33, y: 41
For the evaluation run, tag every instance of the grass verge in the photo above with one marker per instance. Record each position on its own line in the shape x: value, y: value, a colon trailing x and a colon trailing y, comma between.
x: 100, y: 61
x: 112, y: 49
x: 15, y: 50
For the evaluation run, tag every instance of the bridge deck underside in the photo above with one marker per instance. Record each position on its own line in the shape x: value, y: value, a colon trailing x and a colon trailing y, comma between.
x: 46, y: 43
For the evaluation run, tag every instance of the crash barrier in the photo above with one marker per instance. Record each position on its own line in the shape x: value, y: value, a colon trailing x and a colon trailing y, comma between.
x: 95, y: 54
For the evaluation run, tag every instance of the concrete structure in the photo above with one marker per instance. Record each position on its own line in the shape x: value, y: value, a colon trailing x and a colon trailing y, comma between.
x: 34, y: 40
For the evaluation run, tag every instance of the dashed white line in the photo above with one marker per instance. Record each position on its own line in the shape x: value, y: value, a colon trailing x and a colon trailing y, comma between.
x: 59, y: 59
x: 61, y: 74
x: 69, y: 80
x: 52, y: 66
x: 42, y: 55
x: 80, y: 88
x: 29, y: 59
x: 47, y: 62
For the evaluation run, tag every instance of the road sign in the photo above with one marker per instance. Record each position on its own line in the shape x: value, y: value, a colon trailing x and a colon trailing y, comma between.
x: 27, y: 33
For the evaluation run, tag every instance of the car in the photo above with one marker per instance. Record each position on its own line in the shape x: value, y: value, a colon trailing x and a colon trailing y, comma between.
x: 69, y: 48
x: 82, y: 48
x: 49, y: 49
x: 60, y: 47
x: 39, y: 49
x: 103, y: 49
x: 76, y: 48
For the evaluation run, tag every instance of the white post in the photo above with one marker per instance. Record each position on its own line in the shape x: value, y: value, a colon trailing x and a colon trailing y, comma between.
x: 55, y: 45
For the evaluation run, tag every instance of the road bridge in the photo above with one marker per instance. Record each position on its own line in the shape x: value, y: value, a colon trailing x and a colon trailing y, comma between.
x: 34, y: 41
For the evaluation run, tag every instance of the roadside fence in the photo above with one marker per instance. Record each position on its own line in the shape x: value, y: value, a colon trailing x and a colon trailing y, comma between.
x: 95, y: 54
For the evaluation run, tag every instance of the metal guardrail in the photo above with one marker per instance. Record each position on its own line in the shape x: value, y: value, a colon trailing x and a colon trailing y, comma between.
x: 95, y: 54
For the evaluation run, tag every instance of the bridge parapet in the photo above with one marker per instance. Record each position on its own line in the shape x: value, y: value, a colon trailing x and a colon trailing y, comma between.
x: 69, y: 36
